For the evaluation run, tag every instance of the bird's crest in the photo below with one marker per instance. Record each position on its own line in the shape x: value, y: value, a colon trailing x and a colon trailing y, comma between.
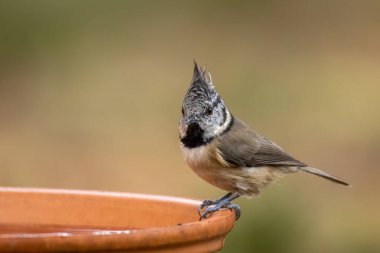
x: 201, y: 88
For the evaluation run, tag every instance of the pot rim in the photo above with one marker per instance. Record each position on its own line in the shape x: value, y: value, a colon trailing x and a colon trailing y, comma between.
x: 215, y: 227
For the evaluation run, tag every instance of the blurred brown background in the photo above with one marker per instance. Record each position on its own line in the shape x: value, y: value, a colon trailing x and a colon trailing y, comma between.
x: 90, y: 95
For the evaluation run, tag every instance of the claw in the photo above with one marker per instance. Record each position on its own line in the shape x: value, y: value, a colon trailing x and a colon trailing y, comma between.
x: 204, y: 204
x: 207, y: 203
x: 217, y: 207
x: 234, y: 207
x: 209, y: 210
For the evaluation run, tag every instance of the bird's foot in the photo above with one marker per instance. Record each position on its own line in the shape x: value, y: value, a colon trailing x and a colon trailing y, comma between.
x: 212, y: 206
x: 209, y: 202
x: 206, y: 203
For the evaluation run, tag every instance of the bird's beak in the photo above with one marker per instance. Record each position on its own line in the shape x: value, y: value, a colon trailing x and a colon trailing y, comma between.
x: 185, y: 122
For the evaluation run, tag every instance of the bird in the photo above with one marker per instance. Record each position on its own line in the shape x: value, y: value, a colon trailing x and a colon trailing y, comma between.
x: 225, y: 152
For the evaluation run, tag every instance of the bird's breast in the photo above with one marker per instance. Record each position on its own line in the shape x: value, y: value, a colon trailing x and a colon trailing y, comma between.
x: 196, y: 157
x: 208, y: 164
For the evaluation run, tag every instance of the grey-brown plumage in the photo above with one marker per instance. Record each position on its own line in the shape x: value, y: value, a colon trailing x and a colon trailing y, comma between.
x: 226, y: 152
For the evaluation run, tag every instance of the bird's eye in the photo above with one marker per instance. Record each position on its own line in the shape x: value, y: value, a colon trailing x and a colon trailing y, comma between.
x: 209, y: 111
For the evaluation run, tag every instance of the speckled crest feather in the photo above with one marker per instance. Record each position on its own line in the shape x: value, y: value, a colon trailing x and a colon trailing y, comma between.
x: 201, y: 91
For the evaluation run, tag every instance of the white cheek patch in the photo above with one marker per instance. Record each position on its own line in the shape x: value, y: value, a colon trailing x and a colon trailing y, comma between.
x: 220, y: 129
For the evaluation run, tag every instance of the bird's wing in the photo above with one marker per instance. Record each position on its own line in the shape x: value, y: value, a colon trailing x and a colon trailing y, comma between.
x: 241, y: 146
x: 270, y: 153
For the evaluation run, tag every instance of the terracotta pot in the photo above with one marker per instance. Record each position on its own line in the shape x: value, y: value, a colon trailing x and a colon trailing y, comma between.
x: 44, y: 220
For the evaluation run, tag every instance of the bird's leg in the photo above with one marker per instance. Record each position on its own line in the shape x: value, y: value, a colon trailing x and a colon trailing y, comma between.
x: 223, y: 202
x: 209, y: 202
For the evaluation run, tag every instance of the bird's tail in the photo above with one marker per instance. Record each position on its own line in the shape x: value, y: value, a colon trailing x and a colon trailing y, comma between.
x: 323, y: 174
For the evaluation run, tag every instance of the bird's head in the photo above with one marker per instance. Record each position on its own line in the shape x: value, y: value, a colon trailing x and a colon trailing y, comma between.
x: 204, y: 115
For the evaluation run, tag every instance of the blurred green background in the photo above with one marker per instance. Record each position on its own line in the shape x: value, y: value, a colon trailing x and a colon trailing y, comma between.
x: 91, y: 91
